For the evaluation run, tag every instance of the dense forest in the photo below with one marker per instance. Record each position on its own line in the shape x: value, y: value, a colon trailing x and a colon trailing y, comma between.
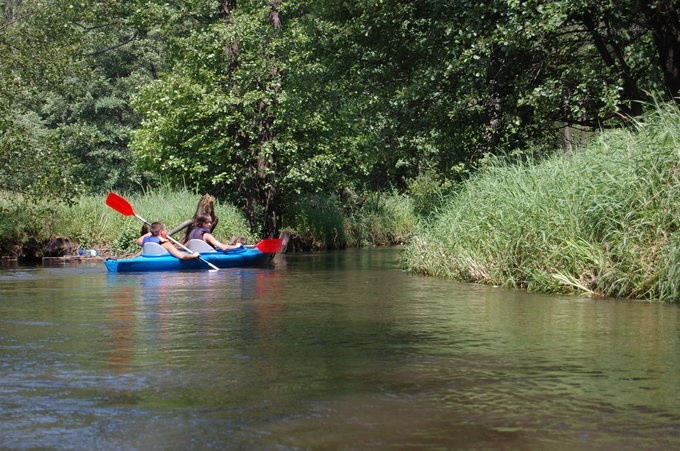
x: 259, y: 102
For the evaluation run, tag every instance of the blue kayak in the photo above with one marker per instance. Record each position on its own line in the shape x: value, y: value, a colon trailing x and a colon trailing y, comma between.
x: 241, y: 257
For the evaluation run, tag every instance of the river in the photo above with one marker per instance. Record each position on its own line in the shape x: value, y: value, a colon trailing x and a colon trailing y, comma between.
x: 337, y: 350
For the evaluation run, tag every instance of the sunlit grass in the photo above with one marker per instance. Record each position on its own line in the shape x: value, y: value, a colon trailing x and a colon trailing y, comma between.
x: 383, y: 219
x: 92, y: 224
x: 602, y: 219
x: 378, y: 219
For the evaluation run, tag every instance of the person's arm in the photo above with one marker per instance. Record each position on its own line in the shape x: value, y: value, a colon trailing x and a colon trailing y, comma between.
x: 140, y: 240
x: 177, y: 253
x: 214, y: 242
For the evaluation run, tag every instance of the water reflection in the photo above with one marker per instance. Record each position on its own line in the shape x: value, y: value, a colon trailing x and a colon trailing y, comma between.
x: 153, y: 315
x: 337, y: 350
x: 120, y: 324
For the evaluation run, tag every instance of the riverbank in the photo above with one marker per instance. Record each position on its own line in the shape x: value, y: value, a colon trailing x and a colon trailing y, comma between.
x: 32, y: 228
x: 602, y: 219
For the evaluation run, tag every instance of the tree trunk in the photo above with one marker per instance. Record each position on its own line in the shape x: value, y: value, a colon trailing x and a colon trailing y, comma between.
x: 225, y: 8
x: 257, y: 184
x: 264, y: 209
x: 664, y: 22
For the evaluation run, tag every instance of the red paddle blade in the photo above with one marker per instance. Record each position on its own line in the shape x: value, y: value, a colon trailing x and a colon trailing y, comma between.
x: 269, y: 245
x: 119, y: 204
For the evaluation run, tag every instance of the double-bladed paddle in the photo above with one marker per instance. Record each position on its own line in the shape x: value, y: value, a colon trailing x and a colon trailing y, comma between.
x: 123, y: 207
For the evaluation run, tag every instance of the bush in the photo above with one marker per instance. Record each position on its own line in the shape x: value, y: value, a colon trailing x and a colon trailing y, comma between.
x: 378, y: 219
x: 429, y: 192
x: 22, y: 219
x: 317, y: 220
x: 383, y: 219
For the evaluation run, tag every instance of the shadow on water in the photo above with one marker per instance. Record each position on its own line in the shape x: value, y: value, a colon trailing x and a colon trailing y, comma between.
x: 332, y: 350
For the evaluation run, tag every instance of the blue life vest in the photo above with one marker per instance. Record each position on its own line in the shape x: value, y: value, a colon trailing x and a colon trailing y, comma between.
x: 152, y: 239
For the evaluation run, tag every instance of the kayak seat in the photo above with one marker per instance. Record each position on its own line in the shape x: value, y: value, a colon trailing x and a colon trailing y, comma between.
x: 153, y: 249
x: 199, y: 246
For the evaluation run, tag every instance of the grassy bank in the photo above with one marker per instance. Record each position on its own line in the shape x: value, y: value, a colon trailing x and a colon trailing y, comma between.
x: 89, y: 223
x: 326, y: 222
x: 602, y: 219
x: 315, y: 222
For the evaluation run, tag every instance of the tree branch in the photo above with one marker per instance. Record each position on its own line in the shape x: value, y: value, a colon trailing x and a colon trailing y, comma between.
x: 113, y: 47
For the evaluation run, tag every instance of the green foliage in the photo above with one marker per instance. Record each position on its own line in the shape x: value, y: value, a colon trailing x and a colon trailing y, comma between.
x: 125, y: 241
x: 383, y: 219
x: 324, y: 222
x: 90, y: 110
x: 210, y: 120
x: 92, y: 224
x: 602, y: 219
x: 33, y: 162
x: 70, y: 69
x: 33, y: 56
x: 420, y: 86
x: 317, y: 220
x: 428, y: 192
x: 21, y: 220
x: 259, y: 102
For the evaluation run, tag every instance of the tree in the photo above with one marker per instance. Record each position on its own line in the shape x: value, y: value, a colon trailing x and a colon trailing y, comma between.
x: 663, y: 20
x: 263, y: 100
x: 33, y: 57
x: 209, y: 121
x: 67, y: 74
x: 434, y: 87
x: 90, y: 110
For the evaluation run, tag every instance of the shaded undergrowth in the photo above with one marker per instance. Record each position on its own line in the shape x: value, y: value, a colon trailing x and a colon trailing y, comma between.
x: 326, y: 222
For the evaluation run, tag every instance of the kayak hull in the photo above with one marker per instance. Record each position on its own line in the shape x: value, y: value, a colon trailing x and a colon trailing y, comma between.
x: 234, y: 258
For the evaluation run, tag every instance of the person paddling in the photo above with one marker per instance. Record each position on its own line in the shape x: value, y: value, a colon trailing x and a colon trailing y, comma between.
x: 158, y: 234
x: 201, y: 231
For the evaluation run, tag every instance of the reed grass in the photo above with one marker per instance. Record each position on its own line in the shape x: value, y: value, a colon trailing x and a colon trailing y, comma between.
x: 92, y: 224
x: 384, y: 219
x: 317, y: 220
x: 602, y: 219
x: 377, y: 219
x: 320, y: 221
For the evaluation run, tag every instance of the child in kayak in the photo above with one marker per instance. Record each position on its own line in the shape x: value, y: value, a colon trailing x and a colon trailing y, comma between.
x: 201, y: 231
x: 158, y: 234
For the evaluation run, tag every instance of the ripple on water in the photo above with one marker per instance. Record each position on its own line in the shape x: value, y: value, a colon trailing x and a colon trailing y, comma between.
x: 327, y: 351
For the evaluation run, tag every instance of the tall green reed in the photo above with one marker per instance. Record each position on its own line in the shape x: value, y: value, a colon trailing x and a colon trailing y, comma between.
x: 383, y: 219
x: 324, y: 222
x: 92, y: 224
x: 317, y: 220
x: 602, y: 219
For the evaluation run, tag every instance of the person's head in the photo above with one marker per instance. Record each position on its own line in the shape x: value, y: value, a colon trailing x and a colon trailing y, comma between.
x: 156, y: 228
x: 203, y: 221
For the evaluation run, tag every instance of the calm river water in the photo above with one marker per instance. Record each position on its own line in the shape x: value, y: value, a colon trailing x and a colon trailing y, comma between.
x: 337, y: 350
